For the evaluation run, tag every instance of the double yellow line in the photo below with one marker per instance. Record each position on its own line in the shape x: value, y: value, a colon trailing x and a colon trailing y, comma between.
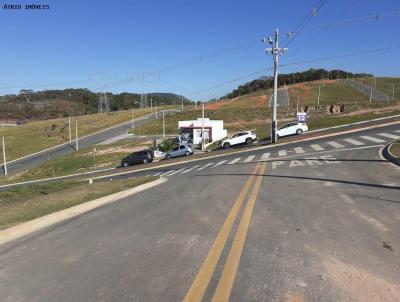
x: 228, y: 275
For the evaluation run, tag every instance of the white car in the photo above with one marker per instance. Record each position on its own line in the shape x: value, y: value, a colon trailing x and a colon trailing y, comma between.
x: 243, y: 137
x: 292, y: 128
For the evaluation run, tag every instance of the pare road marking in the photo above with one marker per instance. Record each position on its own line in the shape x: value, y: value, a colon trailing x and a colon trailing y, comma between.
x: 309, y: 161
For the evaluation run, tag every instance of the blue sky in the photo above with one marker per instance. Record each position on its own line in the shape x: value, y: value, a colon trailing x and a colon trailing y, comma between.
x: 100, y: 44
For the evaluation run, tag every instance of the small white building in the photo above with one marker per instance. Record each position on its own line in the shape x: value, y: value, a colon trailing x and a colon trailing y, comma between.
x: 190, y: 131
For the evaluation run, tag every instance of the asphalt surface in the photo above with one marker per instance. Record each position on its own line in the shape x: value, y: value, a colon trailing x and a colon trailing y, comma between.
x: 90, y: 140
x: 311, y: 221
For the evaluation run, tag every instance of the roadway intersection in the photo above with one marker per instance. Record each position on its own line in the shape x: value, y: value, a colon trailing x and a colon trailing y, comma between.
x: 313, y: 220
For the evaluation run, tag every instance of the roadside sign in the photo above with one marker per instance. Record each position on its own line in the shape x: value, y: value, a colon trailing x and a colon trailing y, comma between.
x: 301, y: 117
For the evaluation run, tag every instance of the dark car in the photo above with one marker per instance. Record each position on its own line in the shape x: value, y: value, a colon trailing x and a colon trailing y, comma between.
x: 140, y: 157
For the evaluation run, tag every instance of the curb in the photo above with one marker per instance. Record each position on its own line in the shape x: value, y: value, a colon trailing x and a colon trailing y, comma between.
x: 31, y: 226
x: 386, y: 154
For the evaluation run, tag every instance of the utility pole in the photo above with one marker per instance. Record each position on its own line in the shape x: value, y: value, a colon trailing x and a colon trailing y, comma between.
x: 76, y: 136
x: 155, y: 104
x: 370, y: 95
x: 196, y: 105
x: 163, y: 125
x: 319, y: 93
x: 202, y: 129
x: 151, y: 105
x: 133, y: 122
x: 275, y: 51
x: 393, y: 92
x: 4, y: 158
x: 69, y: 129
x: 182, y: 103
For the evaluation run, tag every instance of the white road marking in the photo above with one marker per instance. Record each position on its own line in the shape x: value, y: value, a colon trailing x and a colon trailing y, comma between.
x: 353, y: 141
x: 335, y: 145
x: 389, y: 135
x: 190, y: 169
x: 265, y: 156
x: 220, y: 163
x: 282, y: 153
x: 372, y: 139
x: 397, y: 131
x: 317, y: 147
x: 299, y: 150
x: 177, y: 171
x: 165, y: 173
x: 250, y: 158
x: 205, y: 166
x: 234, y: 161
x: 157, y: 174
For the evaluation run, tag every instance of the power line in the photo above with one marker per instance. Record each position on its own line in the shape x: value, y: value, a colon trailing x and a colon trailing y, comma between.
x: 299, y: 28
x: 342, y: 56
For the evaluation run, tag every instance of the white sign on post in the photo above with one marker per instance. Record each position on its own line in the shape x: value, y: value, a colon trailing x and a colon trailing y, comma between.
x: 301, y: 117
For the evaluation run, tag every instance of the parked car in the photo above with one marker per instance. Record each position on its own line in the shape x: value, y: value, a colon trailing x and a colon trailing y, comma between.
x: 180, y: 150
x: 243, y: 137
x: 292, y: 128
x: 140, y: 157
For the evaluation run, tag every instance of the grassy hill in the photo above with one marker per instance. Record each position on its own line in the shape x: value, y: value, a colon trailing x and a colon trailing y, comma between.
x: 48, y: 104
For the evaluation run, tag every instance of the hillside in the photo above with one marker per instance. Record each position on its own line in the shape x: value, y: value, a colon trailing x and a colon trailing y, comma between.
x: 47, y: 104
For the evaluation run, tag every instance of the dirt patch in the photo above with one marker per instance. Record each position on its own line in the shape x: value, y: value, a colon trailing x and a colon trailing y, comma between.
x: 360, y: 284
x: 220, y: 104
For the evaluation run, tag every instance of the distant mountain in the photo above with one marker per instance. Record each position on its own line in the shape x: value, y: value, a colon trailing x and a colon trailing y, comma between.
x: 46, y: 104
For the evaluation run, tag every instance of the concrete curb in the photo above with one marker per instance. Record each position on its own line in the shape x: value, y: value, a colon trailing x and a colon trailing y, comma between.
x: 356, y: 123
x: 386, y: 154
x: 28, y: 227
x: 247, y: 150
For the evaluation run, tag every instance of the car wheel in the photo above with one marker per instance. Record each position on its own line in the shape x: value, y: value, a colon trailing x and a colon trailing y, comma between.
x: 125, y: 164
x: 227, y: 145
x: 187, y: 153
x: 299, y: 132
x: 168, y: 156
x: 249, y: 141
x: 145, y: 160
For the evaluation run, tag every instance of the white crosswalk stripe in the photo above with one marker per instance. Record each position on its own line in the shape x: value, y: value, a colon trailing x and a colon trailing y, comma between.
x: 234, y: 161
x: 250, y: 158
x: 299, y: 150
x: 175, y: 172
x: 157, y: 174
x: 317, y: 147
x: 389, y: 135
x: 372, y: 139
x: 220, y: 163
x: 190, y: 169
x: 353, y: 141
x: 205, y: 166
x: 282, y: 153
x: 165, y: 173
x: 265, y: 156
x: 335, y: 145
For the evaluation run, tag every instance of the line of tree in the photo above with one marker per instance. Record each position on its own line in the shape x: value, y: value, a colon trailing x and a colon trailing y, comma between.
x: 292, y: 78
x: 45, y: 104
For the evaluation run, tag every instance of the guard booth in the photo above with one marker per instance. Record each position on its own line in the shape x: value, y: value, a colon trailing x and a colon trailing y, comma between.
x: 190, y: 131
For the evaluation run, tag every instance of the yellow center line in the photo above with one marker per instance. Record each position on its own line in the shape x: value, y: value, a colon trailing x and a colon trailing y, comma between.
x: 227, y: 278
x: 206, y: 271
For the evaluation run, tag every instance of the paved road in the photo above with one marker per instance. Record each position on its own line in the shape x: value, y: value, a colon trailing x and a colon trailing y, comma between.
x: 109, y: 134
x: 312, y: 221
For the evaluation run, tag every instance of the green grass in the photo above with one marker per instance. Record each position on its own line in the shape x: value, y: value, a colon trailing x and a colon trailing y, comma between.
x: 331, y: 94
x: 106, y: 156
x: 385, y: 84
x: 395, y: 148
x: 25, y: 203
x: 36, y: 136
